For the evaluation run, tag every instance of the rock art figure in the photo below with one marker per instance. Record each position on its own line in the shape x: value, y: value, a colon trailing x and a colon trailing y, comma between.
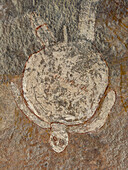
x: 65, y: 86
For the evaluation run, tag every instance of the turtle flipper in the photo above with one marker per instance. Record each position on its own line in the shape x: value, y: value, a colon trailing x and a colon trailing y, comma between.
x: 101, y: 117
x: 41, y: 29
x: 20, y: 102
x: 59, y: 137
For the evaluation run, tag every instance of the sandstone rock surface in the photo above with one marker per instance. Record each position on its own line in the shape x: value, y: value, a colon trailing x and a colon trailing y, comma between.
x: 24, y: 145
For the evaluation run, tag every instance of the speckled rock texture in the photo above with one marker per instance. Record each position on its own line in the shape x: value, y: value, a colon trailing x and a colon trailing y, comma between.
x: 25, y: 145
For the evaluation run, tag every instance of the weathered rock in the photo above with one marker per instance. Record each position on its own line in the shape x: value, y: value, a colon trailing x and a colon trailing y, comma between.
x: 23, y: 144
x: 7, y: 107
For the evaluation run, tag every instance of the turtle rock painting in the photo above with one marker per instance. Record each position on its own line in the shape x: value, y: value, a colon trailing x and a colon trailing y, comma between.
x: 65, y: 86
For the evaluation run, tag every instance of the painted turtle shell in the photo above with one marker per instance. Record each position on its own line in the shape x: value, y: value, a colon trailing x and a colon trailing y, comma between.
x: 65, y: 83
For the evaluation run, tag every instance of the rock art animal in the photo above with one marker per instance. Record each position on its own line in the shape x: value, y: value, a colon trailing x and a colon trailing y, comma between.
x: 65, y: 86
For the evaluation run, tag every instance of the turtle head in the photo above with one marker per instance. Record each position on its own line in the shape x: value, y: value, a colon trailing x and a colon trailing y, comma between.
x: 59, y: 137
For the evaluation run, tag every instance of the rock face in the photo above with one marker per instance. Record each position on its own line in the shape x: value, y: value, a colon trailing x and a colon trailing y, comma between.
x: 7, y: 107
x: 23, y: 144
